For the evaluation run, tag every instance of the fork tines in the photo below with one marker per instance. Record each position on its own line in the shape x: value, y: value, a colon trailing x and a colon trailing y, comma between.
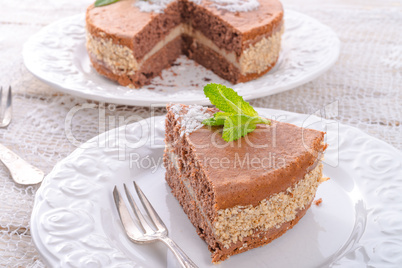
x: 131, y: 229
x: 151, y: 235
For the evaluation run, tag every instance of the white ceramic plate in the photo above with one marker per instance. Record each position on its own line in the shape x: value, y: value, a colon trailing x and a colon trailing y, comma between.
x: 359, y: 223
x: 57, y: 55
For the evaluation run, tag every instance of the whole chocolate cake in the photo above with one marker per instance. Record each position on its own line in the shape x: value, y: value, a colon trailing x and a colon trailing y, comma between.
x: 132, y: 41
x: 240, y: 194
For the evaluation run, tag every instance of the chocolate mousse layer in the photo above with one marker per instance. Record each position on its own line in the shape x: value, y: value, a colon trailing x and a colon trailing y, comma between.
x: 268, y: 160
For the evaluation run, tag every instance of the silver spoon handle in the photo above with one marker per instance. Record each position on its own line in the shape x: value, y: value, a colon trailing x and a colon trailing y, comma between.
x: 21, y: 171
x: 184, y: 260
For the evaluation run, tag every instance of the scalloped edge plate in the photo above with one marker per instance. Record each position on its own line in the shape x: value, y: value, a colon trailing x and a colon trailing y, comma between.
x: 74, y: 222
x: 57, y: 56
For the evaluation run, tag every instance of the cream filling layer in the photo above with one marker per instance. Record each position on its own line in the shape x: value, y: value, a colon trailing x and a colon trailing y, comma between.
x: 120, y: 59
x: 234, y: 224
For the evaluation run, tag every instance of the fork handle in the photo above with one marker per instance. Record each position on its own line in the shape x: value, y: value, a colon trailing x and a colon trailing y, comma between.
x: 184, y: 260
x: 22, y: 172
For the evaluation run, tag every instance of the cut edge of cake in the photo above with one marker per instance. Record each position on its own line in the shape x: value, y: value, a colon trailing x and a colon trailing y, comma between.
x: 115, y: 55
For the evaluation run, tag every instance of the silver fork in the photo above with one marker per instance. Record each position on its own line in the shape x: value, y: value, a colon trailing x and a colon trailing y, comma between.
x: 22, y: 172
x: 150, y: 235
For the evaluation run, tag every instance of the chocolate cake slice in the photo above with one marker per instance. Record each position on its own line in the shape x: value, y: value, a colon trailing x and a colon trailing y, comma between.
x: 242, y: 194
x: 131, y: 42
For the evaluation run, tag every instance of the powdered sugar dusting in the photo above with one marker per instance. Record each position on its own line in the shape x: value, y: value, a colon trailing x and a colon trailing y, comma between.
x: 192, y: 119
x: 236, y: 5
x: 176, y: 110
x: 156, y: 6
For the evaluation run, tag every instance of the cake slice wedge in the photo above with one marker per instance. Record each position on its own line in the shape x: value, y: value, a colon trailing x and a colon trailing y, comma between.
x: 242, y: 194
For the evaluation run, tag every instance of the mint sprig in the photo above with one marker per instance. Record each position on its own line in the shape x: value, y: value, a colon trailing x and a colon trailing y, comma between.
x: 218, y: 119
x: 239, y: 125
x: 99, y: 3
x: 227, y: 100
x: 237, y: 116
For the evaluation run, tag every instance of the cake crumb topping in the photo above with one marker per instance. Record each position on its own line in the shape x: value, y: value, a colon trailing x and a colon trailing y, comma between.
x: 318, y: 202
x: 192, y: 120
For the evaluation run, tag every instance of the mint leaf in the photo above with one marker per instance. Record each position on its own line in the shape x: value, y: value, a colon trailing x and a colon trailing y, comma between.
x: 227, y: 100
x: 99, y: 3
x: 260, y: 120
x: 213, y: 122
x: 218, y: 119
x: 238, y: 117
x: 239, y: 125
x: 221, y: 115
